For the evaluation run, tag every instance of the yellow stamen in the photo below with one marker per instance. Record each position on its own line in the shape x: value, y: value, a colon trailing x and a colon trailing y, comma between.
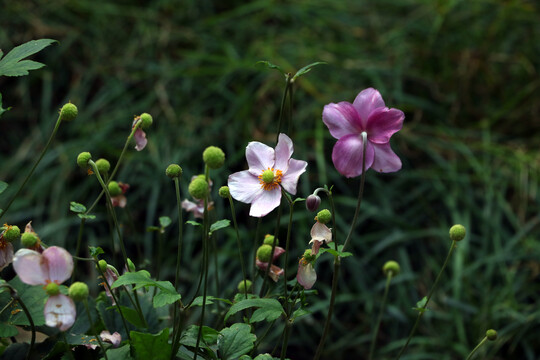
x: 271, y: 185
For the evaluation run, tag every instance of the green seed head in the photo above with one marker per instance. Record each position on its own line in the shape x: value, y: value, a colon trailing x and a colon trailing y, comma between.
x: 268, y: 176
x: 391, y: 266
x: 103, y: 166
x: 198, y: 188
x: 213, y: 157
x: 78, y: 291
x: 114, y: 188
x: 68, y: 112
x: 324, y: 216
x: 224, y: 192
x: 173, y: 171
x: 83, y: 159
x: 52, y: 289
x: 243, y: 287
x: 29, y: 240
x: 102, y: 265
x: 457, y: 232
x: 264, y: 252
x: 308, y: 256
x: 12, y: 233
x: 269, y: 240
x: 146, y: 120
x: 491, y: 334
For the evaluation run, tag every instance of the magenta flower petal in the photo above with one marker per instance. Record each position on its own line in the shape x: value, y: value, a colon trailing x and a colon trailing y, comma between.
x: 31, y: 267
x: 385, y: 160
x: 366, y: 102
x: 244, y: 187
x: 347, y: 155
x: 6, y: 253
x: 140, y: 139
x: 259, y: 157
x: 59, y: 264
x: 266, y: 202
x: 306, y: 275
x: 341, y: 119
x: 284, y: 151
x: 289, y: 181
x: 60, y: 312
x: 383, y: 123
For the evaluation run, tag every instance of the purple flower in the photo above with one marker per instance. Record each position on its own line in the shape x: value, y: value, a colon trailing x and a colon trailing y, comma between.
x: 269, y: 170
x: 368, y: 116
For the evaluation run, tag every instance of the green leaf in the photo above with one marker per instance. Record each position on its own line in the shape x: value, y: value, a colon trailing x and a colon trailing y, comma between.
x: 166, y: 296
x: 2, y: 110
x: 332, y: 251
x: 3, y: 185
x: 95, y: 251
x: 271, y: 309
x: 86, y: 216
x: 148, y: 346
x: 80, y: 339
x: 194, y: 223
x: 235, y: 341
x: 11, y: 64
x: 130, y: 315
x: 209, y: 300
x: 271, y: 66
x: 164, y: 221
x: 153, y: 228
x: 266, y: 357
x: 122, y: 353
x: 8, y: 330
x: 220, y: 224
x: 34, y: 298
x: 76, y: 207
x: 306, y: 69
x: 420, y: 305
x: 299, y: 313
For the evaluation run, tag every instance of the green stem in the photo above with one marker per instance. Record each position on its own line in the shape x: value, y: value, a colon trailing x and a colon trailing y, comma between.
x: 423, y: 308
x: 85, y: 301
x: 56, y: 126
x: 291, y: 210
x: 176, y: 323
x: 267, y: 271
x: 77, y: 249
x: 239, y: 244
x: 282, y: 106
x: 289, y: 125
x: 379, y: 317
x: 484, y: 340
x: 15, y: 296
x: 286, y: 335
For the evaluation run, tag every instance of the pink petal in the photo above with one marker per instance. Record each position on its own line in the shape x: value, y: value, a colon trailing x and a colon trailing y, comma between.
x: 114, y: 338
x: 59, y: 263
x: 6, y: 254
x: 278, y: 251
x: 385, y: 160
x: 315, y: 247
x: 266, y: 202
x: 341, y: 119
x: 275, y: 271
x: 119, y: 200
x: 196, y: 209
x: 306, y: 275
x: 320, y: 232
x: 244, y: 187
x: 60, y: 312
x: 259, y: 157
x: 366, y: 102
x: 140, y: 139
x: 289, y: 180
x: 347, y: 155
x: 31, y: 267
x: 383, y: 123
x: 284, y: 151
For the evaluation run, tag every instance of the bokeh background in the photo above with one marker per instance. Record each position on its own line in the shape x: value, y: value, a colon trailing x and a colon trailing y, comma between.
x: 466, y: 74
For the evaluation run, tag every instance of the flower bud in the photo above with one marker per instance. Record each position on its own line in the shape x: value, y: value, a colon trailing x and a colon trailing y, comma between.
x: 83, y: 159
x: 146, y: 120
x: 29, y: 240
x: 131, y: 265
x: 264, y: 252
x: 198, y: 188
x: 114, y: 188
x: 224, y: 192
x: 491, y: 334
x: 78, y: 291
x: 242, y: 287
x: 103, y: 166
x: 102, y: 265
x: 213, y: 157
x: 391, y: 266
x: 324, y: 216
x: 12, y: 233
x: 269, y: 240
x: 52, y: 289
x: 173, y: 171
x: 457, y: 232
x: 313, y: 202
x: 308, y: 256
x: 68, y: 112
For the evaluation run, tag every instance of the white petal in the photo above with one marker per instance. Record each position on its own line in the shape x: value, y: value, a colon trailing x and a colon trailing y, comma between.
x: 259, y: 157
x: 289, y: 181
x: 60, y: 312
x: 244, y: 187
x: 266, y: 202
x: 284, y: 151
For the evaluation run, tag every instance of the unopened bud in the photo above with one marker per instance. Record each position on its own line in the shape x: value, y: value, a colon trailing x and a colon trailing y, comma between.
x: 491, y: 334
x: 264, y: 252
x: 269, y: 240
x: 78, y: 291
x: 198, y: 188
x: 103, y: 166
x: 313, y: 202
x: 173, y: 171
x: 213, y: 157
x: 324, y: 216
x: 457, y: 232
x: 243, y: 287
x: 391, y: 266
x: 68, y: 112
x: 83, y: 159
x: 146, y: 120
x: 224, y: 192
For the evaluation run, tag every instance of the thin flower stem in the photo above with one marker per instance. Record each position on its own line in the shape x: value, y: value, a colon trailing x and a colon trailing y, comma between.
x: 477, y: 347
x: 286, y: 335
x: 239, y: 244
x: 290, y: 84
x: 423, y: 308
x: 85, y: 301
x: 176, y: 323
x: 291, y: 211
x: 15, y: 296
x: 56, y: 126
x: 78, y: 248
x: 282, y: 106
x: 379, y: 317
x: 267, y: 271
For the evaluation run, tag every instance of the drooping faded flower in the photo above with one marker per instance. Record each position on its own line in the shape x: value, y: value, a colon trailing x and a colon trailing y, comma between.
x: 140, y: 136
x: 269, y: 170
x: 263, y: 258
x: 50, y: 269
x: 6, y: 252
x: 320, y: 233
x: 306, y: 275
x: 367, y: 114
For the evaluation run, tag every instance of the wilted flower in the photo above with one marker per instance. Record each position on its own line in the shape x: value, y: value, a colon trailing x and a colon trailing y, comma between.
x: 6, y: 252
x: 367, y: 115
x: 275, y: 271
x: 140, y: 135
x: 320, y: 234
x: 269, y: 170
x: 111, y: 275
x: 306, y: 275
x: 115, y: 338
x: 37, y: 243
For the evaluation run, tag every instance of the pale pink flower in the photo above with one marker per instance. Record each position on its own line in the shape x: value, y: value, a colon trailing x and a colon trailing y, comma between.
x: 115, y: 338
x: 275, y: 271
x: 111, y: 275
x: 6, y: 252
x: 279, y: 170
x: 140, y: 136
x: 320, y: 234
x: 306, y: 275
x: 120, y: 200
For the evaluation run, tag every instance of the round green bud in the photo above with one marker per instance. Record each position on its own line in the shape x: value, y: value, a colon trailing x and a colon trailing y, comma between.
x: 268, y: 176
x: 114, y: 188
x: 243, y: 287
x: 213, y: 157
x: 78, y: 291
x: 12, y: 233
x: 264, y: 252
x: 198, y: 188
x: 491, y: 334
x: 308, y: 256
x: 68, y: 112
x: 269, y: 240
x: 83, y: 159
x: 103, y: 165
x: 146, y: 120
x: 52, y: 289
x: 102, y: 265
x: 391, y: 266
x: 131, y: 265
x: 224, y: 192
x: 29, y: 240
x: 324, y: 216
x: 173, y: 171
x: 457, y: 232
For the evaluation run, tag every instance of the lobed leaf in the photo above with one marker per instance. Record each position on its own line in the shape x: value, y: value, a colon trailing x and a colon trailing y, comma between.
x: 13, y: 65
x: 271, y: 307
x: 235, y: 341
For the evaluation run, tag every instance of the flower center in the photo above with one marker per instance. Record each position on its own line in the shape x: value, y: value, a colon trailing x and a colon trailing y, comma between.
x: 270, y: 179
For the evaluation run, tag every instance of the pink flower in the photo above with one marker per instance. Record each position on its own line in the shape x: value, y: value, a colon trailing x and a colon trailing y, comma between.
x: 115, y: 339
x: 140, y: 136
x: 111, y: 275
x: 269, y: 170
x: 54, y: 265
x: 320, y: 234
x: 6, y: 252
x: 306, y: 275
x: 120, y: 200
x: 368, y: 116
x: 275, y: 271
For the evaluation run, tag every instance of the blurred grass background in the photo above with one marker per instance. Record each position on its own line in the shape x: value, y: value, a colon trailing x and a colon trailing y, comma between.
x: 466, y: 73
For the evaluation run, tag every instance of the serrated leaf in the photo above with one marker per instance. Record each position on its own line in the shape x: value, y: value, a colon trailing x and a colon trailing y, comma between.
x: 272, y: 307
x: 299, y: 313
x: 306, y: 69
x: 3, y: 185
x: 2, y: 110
x: 235, y: 341
x: 220, y: 224
x: 148, y: 346
x: 95, y: 251
x: 76, y: 207
x: 13, y: 65
x: 164, y: 221
x: 271, y: 66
